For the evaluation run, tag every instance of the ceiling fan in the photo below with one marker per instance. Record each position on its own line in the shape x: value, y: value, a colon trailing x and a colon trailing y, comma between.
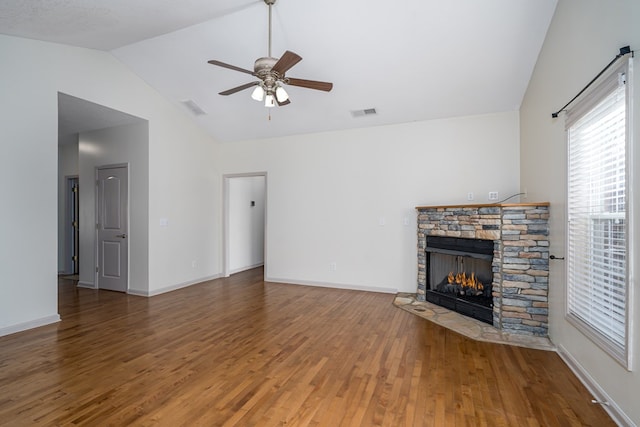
x: 271, y: 72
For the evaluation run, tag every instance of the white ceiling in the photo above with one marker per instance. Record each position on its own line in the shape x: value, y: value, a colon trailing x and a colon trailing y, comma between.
x: 409, y: 59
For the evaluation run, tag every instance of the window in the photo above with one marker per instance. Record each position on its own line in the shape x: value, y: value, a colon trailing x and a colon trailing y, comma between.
x: 598, y: 215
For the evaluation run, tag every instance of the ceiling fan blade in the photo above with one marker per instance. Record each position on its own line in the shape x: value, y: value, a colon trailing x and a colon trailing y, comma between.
x: 239, y: 88
x: 286, y: 61
x: 310, y: 84
x: 231, y: 67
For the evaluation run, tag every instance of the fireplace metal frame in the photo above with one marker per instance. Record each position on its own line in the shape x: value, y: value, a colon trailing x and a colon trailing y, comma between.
x: 455, y: 246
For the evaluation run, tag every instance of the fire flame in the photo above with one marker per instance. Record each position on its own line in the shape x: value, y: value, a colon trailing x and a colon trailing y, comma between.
x: 466, y: 282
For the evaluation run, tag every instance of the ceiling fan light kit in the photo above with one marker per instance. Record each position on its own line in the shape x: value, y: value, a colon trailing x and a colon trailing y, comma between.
x: 269, y: 101
x: 258, y: 94
x: 281, y: 94
x: 271, y: 72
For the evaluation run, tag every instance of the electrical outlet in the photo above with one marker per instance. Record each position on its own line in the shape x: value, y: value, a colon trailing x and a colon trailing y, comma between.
x: 526, y: 194
x: 493, y: 195
x: 333, y: 266
x: 469, y: 196
x: 194, y: 263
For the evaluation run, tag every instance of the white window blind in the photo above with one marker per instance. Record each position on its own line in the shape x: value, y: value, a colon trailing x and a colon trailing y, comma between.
x: 597, y: 272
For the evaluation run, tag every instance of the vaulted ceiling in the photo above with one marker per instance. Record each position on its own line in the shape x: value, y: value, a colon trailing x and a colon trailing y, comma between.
x: 408, y: 59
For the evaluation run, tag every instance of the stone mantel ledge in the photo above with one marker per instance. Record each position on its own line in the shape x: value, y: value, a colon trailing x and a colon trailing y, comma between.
x: 486, y: 205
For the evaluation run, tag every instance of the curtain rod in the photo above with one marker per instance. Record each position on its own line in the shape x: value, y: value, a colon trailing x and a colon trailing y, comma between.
x: 623, y: 51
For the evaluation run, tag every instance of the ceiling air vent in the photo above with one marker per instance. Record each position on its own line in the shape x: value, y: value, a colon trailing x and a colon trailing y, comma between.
x: 193, y: 107
x: 365, y: 112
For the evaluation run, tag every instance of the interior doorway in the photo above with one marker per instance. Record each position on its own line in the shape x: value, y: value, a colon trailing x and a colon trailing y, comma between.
x: 245, y: 220
x: 92, y: 135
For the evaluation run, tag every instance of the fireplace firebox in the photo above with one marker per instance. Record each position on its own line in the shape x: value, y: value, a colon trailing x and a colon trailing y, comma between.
x: 459, y: 275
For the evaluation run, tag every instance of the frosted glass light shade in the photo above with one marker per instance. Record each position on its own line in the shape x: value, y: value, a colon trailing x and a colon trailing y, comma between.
x: 258, y: 93
x: 269, y: 100
x: 281, y: 94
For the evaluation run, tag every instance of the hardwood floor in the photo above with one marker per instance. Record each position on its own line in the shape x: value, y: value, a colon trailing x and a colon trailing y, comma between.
x: 240, y: 351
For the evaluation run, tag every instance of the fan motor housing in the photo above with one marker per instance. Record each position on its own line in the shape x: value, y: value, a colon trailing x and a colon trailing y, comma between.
x: 262, y: 69
x: 264, y: 64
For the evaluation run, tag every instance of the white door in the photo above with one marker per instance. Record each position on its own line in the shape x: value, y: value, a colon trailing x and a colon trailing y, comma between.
x: 112, y: 220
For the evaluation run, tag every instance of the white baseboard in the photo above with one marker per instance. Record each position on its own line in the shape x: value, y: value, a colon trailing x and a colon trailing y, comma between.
x: 29, y: 325
x: 594, y: 388
x: 250, y: 267
x: 172, y: 287
x: 332, y: 285
x: 88, y: 285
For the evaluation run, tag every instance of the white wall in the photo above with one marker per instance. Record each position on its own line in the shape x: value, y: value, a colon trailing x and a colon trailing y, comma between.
x: 185, y: 188
x: 584, y: 36
x: 67, y: 167
x: 329, y: 193
x: 28, y: 177
x: 184, y: 184
x: 246, y: 222
x: 116, y: 145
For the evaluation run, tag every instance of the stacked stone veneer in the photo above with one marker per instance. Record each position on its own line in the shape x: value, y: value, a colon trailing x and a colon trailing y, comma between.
x: 520, y: 257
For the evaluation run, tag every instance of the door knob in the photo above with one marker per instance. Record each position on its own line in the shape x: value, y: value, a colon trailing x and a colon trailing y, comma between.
x: 124, y: 236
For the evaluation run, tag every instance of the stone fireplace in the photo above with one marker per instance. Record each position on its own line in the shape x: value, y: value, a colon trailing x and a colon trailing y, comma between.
x: 490, y: 262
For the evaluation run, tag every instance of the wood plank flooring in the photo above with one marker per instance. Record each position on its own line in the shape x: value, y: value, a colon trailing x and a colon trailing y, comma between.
x: 242, y: 352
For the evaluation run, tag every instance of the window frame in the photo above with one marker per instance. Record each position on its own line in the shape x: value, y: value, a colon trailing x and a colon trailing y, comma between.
x: 582, y: 107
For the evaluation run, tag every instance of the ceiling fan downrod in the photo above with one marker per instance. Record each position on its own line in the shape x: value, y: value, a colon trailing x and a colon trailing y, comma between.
x: 269, y: 3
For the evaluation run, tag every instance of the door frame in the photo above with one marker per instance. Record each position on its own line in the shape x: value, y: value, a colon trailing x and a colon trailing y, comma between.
x: 96, y: 217
x: 225, y: 218
x: 69, y: 207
